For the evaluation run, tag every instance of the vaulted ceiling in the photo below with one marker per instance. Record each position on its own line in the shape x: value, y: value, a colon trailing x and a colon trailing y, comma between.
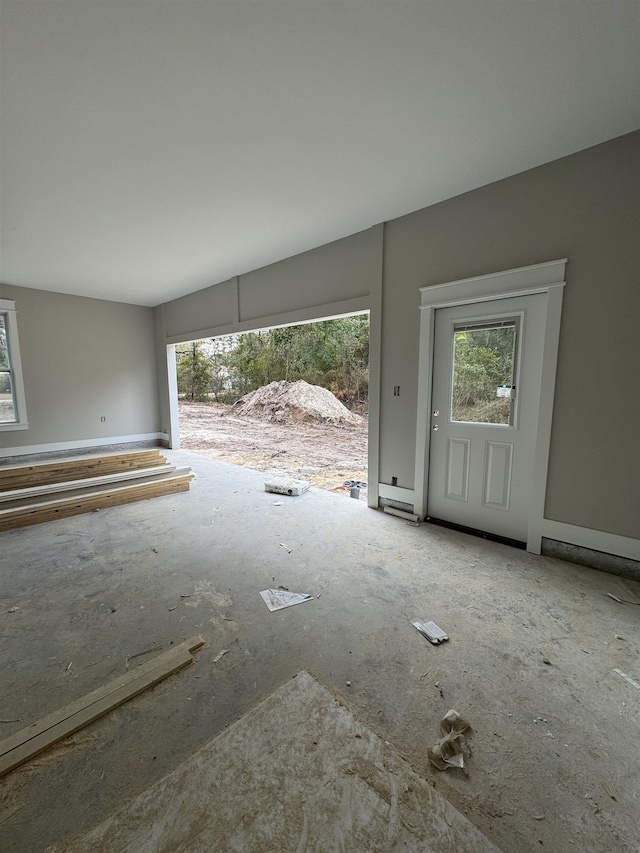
x: 153, y: 147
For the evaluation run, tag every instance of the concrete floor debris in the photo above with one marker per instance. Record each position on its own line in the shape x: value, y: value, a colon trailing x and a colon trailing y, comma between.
x: 504, y: 609
x: 431, y: 632
x: 279, y: 785
x: 282, y: 486
x: 451, y: 749
x: 277, y: 599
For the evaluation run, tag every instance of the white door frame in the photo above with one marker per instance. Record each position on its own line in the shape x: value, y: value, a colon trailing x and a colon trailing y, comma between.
x: 546, y: 278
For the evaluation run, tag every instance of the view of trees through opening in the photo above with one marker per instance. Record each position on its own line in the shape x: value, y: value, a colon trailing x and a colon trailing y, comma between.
x: 333, y: 354
x: 292, y: 401
x: 483, y: 370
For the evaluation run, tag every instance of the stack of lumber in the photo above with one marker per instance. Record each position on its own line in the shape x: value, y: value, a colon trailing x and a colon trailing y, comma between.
x: 31, y: 494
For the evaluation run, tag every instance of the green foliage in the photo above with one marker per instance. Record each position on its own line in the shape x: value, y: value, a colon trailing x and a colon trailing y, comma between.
x: 483, y: 361
x: 5, y: 376
x: 333, y: 354
x: 4, y: 349
x: 194, y: 371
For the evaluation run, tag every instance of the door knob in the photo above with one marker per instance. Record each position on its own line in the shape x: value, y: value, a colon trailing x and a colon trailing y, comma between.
x: 435, y: 427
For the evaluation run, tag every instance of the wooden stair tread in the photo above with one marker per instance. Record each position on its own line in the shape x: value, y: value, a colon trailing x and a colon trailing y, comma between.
x: 55, y: 488
x: 43, y: 473
x: 89, y: 500
x: 90, y: 491
x: 31, y: 494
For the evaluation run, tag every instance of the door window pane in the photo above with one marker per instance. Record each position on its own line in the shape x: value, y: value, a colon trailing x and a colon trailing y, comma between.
x: 483, y: 370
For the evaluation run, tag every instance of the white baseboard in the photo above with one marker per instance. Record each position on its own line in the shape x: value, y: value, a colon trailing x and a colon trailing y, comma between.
x: 596, y: 540
x: 395, y: 493
x: 102, y: 441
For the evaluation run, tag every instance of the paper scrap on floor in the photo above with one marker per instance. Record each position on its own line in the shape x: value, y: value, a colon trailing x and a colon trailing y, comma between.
x: 276, y: 599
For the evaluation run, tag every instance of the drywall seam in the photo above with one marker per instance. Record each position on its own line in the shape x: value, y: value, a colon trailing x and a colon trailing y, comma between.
x: 328, y: 311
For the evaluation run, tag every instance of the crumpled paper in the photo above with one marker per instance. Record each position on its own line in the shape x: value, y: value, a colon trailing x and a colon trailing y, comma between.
x: 451, y: 749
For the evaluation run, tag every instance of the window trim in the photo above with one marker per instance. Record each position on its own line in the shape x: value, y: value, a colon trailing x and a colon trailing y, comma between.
x: 8, y: 308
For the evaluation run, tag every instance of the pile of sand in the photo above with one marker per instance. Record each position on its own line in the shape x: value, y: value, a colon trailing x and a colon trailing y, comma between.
x: 294, y: 403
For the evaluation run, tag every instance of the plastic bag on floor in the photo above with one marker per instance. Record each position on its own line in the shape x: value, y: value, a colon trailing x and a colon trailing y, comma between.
x: 451, y: 749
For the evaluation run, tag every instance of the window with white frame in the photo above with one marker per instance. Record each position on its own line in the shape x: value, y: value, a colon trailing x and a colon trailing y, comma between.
x: 13, y: 412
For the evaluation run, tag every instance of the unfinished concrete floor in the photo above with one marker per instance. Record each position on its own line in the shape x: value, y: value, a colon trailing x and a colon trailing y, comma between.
x: 551, y: 743
x: 298, y: 772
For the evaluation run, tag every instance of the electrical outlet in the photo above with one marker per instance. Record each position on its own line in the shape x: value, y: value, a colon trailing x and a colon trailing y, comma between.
x: 102, y: 419
x: 394, y: 481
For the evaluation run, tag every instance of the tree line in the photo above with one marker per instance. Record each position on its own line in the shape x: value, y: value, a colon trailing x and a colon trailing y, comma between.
x: 484, y: 360
x: 333, y: 354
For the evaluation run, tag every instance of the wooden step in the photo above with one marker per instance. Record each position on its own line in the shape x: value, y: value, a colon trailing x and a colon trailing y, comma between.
x: 55, y: 488
x: 37, y: 510
x: 62, y: 470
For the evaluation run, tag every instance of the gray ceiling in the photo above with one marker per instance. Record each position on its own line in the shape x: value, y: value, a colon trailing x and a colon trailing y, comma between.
x: 149, y: 149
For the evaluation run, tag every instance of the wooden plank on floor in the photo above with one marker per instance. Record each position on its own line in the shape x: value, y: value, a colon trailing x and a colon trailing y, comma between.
x: 52, y: 460
x: 23, y: 516
x: 87, y: 490
x: 41, y: 473
x: 106, y: 479
x: 59, y: 474
x: 31, y: 741
x: 79, y: 462
x: 16, y: 739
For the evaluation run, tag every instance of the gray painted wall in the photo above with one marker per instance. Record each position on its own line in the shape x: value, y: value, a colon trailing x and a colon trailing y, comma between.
x: 338, y: 278
x: 586, y: 208
x: 331, y: 273
x: 310, y: 285
x: 82, y: 359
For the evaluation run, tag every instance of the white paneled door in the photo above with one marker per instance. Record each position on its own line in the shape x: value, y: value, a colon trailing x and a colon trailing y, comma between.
x: 487, y: 366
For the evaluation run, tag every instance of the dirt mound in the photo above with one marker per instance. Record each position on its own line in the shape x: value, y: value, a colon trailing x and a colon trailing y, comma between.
x: 293, y: 403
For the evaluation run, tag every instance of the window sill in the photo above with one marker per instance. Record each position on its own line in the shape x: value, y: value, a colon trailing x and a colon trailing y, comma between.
x: 7, y: 427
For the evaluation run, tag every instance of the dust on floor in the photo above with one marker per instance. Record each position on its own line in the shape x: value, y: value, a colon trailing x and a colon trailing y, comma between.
x: 555, y: 763
x: 296, y: 773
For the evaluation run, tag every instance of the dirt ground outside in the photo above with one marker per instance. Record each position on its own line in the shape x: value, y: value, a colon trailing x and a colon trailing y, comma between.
x: 322, y: 454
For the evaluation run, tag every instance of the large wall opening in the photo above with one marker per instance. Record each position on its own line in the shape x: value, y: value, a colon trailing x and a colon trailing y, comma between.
x: 290, y: 401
